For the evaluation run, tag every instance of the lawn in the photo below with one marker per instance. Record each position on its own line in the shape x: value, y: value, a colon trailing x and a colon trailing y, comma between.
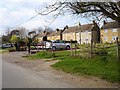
x: 103, y: 66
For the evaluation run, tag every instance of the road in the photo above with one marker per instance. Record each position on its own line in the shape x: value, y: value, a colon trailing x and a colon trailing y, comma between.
x: 19, y: 72
x: 14, y: 76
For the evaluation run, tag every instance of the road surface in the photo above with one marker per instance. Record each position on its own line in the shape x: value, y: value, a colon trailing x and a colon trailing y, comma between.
x: 14, y: 76
x: 19, y: 72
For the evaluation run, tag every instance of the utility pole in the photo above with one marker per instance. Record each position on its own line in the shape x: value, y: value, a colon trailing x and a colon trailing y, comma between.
x: 117, y: 48
x: 79, y: 27
x: 91, y: 46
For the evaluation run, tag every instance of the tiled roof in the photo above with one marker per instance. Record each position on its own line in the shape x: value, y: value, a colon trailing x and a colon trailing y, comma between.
x: 111, y: 25
x: 42, y: 34
x: 55, y: 33
x: 82, y: 28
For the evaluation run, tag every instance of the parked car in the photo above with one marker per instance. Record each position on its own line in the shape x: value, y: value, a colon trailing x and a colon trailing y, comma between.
x: 8, y: 45
x: 54, y: 45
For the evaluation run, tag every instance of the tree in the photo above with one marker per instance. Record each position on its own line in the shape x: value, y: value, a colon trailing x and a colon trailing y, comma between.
x: 48, y: 29
x: 14, y: 39
x: 22, y: 32
x: 6, y: 39
x: 39, y: 30
x: 85, y: 9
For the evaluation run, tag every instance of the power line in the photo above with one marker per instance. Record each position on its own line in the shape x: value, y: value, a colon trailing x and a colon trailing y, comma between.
x: 25, y: 21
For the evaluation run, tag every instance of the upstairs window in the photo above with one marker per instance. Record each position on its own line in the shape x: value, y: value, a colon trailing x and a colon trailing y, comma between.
x: 105, y: 38
x: 105, y: 30
x: 114, y: 30
x: 114, y: 37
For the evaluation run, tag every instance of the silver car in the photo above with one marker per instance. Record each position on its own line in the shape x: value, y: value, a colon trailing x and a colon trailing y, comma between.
x: 54, y: 45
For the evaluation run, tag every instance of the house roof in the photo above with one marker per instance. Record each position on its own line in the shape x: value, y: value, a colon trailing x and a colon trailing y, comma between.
x: 55, y: 33
x: 42, y: 34
x: 82, y: 28
x: 111, y: 25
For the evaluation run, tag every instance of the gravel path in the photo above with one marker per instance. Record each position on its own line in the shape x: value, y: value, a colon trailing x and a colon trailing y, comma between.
x: 43, y: 65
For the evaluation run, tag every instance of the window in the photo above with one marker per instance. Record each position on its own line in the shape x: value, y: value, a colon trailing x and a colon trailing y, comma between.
x: 86, y: 39
x: 105, y: 38
x: 114, y: 37
x: 114, y: 30
x: 105, y: 30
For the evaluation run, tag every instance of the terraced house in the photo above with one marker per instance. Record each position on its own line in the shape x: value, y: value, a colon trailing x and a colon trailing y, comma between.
x: 55, y: 35
x: 109, y: 32
x: 43, y: 36
x: 83, y: 34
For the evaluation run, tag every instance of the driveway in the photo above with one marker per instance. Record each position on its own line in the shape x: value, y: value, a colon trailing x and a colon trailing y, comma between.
x: 21, y: 73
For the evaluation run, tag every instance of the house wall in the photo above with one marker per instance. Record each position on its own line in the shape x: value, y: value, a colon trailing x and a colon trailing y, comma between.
x: 53, y: 37
x: 40, y: 39
x: 107, y: 35
x: 71, y: 36
x: 85, y: 37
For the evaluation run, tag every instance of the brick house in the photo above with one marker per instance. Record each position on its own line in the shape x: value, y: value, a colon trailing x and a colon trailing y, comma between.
x: 42, y: 36
x: 83, y: 34
x: 55, y: 35
x: 109, y: 32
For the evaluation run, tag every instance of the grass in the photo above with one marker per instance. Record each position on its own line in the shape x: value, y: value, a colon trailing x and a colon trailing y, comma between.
x: 105, y: 67
x: 2, y: 51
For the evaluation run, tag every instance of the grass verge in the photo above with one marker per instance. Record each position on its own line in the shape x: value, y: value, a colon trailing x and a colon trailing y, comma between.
x: 105, y: 67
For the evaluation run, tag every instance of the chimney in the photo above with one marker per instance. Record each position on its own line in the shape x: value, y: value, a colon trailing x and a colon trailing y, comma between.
x: 94, y: 22
x: 79, y: 24
x: 57, y: 29
x: 44, y: 31
x: 66, y: 27
x: 104, y: 22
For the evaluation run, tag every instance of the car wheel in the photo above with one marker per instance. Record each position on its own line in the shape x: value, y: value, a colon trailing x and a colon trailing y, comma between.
x: 53, y: 48
x: 67, y: 47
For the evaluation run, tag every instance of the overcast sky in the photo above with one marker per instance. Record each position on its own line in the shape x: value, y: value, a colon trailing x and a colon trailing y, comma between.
x: 15, y: 12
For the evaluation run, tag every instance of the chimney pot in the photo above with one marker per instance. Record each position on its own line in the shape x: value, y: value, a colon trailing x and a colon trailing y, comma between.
x: 94, y: 22
x: 104, y: 22
x: 57, y: 29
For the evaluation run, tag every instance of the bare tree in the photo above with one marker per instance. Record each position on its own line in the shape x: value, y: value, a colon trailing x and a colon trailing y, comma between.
x: 48, y: 29
x: 85, y: 9
x: 38, y: 30
x: 22, y: 31
x: 7, y: 30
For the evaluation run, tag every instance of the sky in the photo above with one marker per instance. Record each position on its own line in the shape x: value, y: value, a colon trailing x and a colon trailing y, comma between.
x: 14, y: 13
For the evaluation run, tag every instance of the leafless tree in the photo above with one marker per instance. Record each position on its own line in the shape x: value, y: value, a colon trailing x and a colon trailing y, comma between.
x: 22, y: 31
x: 48, y: 29
x: 7, y: 30
x: 38, y: 30
x: 98, y: 10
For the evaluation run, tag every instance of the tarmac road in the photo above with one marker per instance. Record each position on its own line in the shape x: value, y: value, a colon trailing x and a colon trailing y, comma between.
x: 14, y: 76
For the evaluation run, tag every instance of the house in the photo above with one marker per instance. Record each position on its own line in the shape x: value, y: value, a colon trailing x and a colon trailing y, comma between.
x: 42, y: 36
x: 83, y: 34
x: 55, y: 35
x: 109, y: 32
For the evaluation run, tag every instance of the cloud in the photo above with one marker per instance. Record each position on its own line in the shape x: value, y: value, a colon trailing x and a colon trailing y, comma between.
x: 15, y: 12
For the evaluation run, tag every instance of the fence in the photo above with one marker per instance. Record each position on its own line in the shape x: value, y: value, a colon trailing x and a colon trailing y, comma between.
x: 88, y: 50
